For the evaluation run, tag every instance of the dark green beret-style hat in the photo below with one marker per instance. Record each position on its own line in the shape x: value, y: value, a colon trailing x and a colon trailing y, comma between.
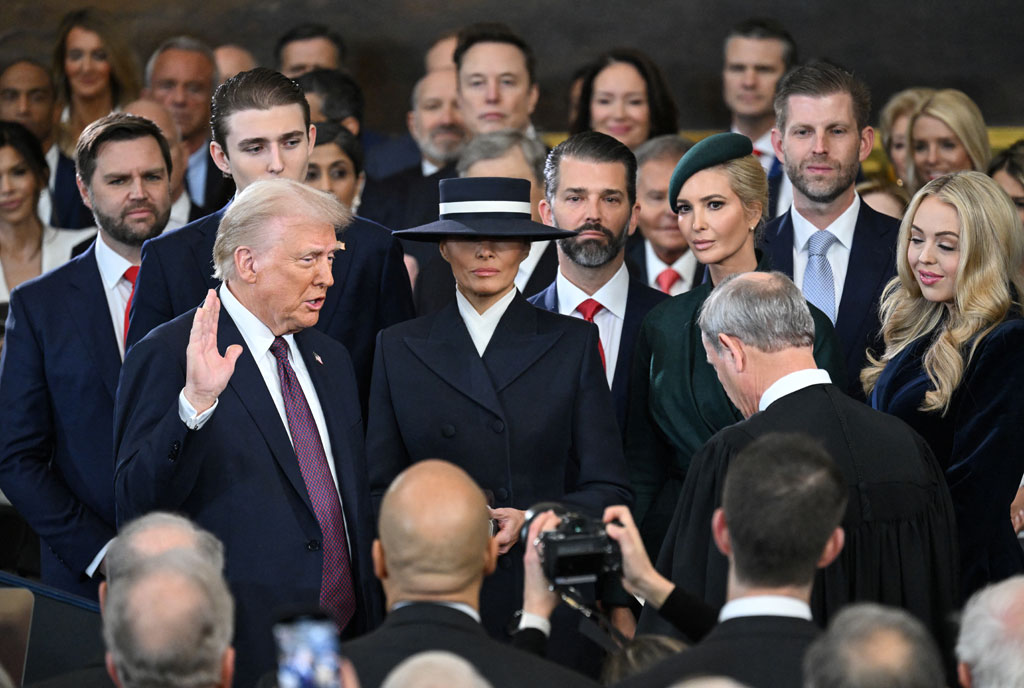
x: 714, y: 150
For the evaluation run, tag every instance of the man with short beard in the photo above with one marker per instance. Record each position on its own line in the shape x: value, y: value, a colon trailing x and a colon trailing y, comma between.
x: 590, y: 187
x: 837, y: 249
x: 63, y: 353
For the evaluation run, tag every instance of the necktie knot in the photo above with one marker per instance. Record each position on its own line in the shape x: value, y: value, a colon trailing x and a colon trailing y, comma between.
x: 666, y: 278
x: 820, y: 242
x: 132, y: 274
x: 588, y: 309
x: 280, y: 349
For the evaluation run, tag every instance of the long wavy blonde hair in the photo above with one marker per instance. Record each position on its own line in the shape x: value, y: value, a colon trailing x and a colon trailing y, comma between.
x: 991, y: 253
x: 957, y: 111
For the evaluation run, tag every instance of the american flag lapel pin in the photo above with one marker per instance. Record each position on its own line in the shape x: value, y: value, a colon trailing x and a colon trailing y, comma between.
x: 318, y: 359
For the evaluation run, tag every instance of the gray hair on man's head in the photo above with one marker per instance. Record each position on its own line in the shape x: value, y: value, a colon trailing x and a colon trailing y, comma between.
x: 168, y: 622
x: 871, y: 646
x: 763, y: 310
x: 498, y: 143
x: 187, y: 44
x: 247, y: 220
x: 665, y: 147
x: 155, y: 533
x: 991, y: 641
x: 435, y: 669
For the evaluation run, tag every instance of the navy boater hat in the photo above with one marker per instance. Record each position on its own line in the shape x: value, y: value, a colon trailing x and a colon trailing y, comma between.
x: 714, y: 150
x: 474, y: 207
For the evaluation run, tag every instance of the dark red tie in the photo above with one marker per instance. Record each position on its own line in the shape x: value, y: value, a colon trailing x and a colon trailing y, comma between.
x: 666, y: 278
x: 131, y: 274
x: 337, y: 593
x: 588, y: 309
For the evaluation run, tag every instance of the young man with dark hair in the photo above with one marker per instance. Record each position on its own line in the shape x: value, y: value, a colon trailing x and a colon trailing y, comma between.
x: 307, y: 47
x: 333, y: 96
x: 836, y: 248
x: 63, y: 352
x: 261, y: 130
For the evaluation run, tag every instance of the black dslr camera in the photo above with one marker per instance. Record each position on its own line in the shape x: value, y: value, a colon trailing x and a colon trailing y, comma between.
x: 577, y: 551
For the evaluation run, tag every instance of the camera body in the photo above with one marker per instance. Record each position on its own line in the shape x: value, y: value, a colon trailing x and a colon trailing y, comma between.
x: 578, y: 550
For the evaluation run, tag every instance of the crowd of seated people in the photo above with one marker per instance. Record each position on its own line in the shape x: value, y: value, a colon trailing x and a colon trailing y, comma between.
x: 261, y: 361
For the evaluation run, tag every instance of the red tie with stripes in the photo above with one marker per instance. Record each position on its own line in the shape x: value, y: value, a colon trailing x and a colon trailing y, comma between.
x: 131, y: 274
x: 666, y: 278
x: 588, y: 309
x: 337, y: 592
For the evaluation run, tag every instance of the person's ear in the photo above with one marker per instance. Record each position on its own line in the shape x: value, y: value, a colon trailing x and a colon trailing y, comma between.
x: 547, y: 214
x: 832, y: 548
x: 777, y: 145
x: 245, y: 264
x: 311, y: 135
x: 380, y: 564
x: 112, y: 670
x: 634, y: 218
x: 410, y: 123
x: 442, y: 246
x: 752, y: 214
x: 737, y: 352
x: 867, y: 142
x: 534, y: 96
x: 352, y: 124
x: 227, y: 667
x: 83, y: 191
x: 720, y: 532
x: 963, y: 672
x: 103, y: 596
x: 220, y: 158
x: 491, y: 556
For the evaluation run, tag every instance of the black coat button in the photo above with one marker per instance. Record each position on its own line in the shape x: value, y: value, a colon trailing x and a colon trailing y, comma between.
x: 501, y: 493
x: 313, y: 545
x: 175, y: 449
x: 497, y: 426
x: 448, y: 430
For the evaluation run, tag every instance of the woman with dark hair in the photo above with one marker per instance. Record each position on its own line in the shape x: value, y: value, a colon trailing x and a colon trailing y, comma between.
x: 625, y: 96
x: 95, y: 71
x: 28, y: 247
x: 336, y: 164
x: 1007, y: 170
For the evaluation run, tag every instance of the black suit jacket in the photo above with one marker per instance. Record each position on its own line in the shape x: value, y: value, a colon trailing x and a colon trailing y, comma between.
x: 872, y: 264
x: 640, y: 299
x: 238, y: 476
x: 758, y: 651
x: 636, y: 263
x: 58, y: 377
x: 422, y: 626
x: 370, y: 291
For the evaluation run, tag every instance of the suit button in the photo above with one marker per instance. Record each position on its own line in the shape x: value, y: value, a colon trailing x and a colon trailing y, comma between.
x: 448, y: 430
x: 313, y: 545
x: 497, y: 426
x: 501, y: 494
x: 175, y: 448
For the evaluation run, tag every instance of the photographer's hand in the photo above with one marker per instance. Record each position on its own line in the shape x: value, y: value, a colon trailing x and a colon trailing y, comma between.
x: 537, y: 597
x: 639, y: 576
x: 510, y: 523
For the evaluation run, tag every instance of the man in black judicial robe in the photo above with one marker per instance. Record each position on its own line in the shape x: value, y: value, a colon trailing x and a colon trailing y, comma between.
x: 900, y: 530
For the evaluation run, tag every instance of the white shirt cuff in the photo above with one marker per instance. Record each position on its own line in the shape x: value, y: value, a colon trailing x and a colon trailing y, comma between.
x: 188, y: 414
x: 90, y: 570
x: 528, y: 620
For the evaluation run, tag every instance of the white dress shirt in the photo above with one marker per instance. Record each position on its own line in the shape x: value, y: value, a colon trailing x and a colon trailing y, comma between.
x: 428, y: 168
x: 258, y: 338
x: 44, y: 208
x: 527, y: 267
x: 612, y: 295
x: 765, y: 605
x: 838, y: 255
x: 685, y: 265
x: 481, y: 326
x: 179, y: 212
x: 794, y: 382
x: 117, y: 289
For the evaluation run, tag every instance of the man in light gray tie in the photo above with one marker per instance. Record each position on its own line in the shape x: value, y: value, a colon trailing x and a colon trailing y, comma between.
x: 836, y: 248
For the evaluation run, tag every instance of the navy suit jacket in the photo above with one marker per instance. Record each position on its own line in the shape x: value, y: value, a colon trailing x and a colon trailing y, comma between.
x: 238, y: 476
x: 58, y: 377
x: 640, y: 299
x: 371, y: 286
x: 872, y: 265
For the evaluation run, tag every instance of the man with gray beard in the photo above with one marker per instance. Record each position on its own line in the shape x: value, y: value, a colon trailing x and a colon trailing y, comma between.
x: 590, y: 187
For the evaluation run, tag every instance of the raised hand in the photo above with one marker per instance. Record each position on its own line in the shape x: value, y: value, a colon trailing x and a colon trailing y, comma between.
x: 206, y: 371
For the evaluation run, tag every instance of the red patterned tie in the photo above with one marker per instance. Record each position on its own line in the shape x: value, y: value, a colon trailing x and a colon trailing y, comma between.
x: 337, y: 593
x: 131, y: 274
x: 588, y: 309
x: 666, y: 278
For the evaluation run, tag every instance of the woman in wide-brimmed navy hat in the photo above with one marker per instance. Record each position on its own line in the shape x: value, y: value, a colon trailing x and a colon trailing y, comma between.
x: 513, y: 394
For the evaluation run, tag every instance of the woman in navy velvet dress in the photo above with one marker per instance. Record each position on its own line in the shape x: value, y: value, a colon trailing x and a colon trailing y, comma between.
x: 953, y: 365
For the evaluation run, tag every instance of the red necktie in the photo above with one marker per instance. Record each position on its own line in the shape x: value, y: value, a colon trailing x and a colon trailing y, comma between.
x: 337, y: 592
x: 666, y: 278
x: 588, y: 309
x: 131, y: 274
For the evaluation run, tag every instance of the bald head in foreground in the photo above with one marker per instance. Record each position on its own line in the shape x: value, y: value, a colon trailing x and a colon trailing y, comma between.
x: 433, y: 552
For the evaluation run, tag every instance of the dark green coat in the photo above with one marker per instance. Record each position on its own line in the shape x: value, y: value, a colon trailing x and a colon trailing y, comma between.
x: 677, y: 403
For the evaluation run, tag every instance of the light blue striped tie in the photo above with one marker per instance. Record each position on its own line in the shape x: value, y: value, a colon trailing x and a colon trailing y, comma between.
x: 819, y: 285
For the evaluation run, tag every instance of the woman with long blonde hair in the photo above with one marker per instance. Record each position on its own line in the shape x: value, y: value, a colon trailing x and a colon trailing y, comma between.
x: 952, y: 366
x: 946, y: 134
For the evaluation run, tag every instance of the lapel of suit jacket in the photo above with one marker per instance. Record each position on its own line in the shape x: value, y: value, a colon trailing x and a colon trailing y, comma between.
x: 543, y: 272
x: 315, y: 366
x: 449, y: 352
x: 247, y: 382
x: 778, y: 244
x: 516, y: 344
x: 91, y: 314
x: 202, y: 247
x: 627, y: 339
x: 871, y: 259
x: 549, y: 298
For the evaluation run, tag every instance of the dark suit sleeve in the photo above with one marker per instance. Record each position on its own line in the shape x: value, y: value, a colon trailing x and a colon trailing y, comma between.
x: 602, y: 479
x: 386, y: 454
x: 153, y: 469
x: 395, y: 299
x: 37, y: 490
x: 151, y: 302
